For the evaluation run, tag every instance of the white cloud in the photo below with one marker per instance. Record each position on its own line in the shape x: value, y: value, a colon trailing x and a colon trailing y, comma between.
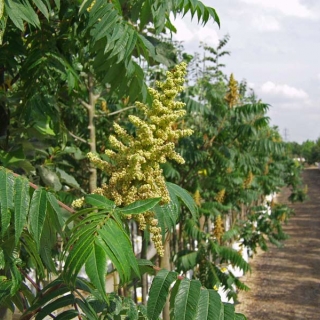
x: 286, y: 7
x: 283, y: 90
x: 189, y: 31
x: 184, y: 33
x: 265, y: 23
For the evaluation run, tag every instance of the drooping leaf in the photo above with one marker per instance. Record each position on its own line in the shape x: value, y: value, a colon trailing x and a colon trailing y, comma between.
x: 79, y: 254
x: 37, y: 213
x: 185, y: 197
x: 159, y: 292
x: 146, y: 266
x: 67, y: 300
x: 16, y: 279
x: 31, y: 248
x: 240, y: 316
x: 67, y: 179
x: 87, y: 309
x: 120, y: 251
x: 99, y: 201
x: 96, y: 267
x: 187, y: 298
x: 5, y: 288
x: 229, y: 313
x: 55, y: 213
x: 67, y: 315
x: 21, y: 205
x: 139, y: 206
x: 47, y: 242
x: 42, y: 7
x: 6, y: 197
x: 210, y: 306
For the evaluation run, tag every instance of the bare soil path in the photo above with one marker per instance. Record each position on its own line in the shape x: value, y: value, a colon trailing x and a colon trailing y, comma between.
x: 285, y: 282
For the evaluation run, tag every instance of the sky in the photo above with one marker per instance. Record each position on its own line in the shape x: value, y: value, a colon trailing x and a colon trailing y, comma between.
x: 275, y: 47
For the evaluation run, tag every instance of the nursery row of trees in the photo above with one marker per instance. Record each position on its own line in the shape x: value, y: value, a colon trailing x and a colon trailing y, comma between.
x: 309, y: 150
x: 184, y: 159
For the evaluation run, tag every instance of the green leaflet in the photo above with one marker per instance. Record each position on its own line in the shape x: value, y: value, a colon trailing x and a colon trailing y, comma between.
x: 240, y: 316
x: 67, y: 300
x: 37, y: 213
x: 187, y: 299
x: 145, y: 266
x: 67, y: 315
x: 185, y: 197
x: 57, y: 290
x: 21, y: 205
x: 187, y: 260
x: 87, y: 309
x: 139, y: 206
x: 55, y: 213
x: 229, y: 254
x: 210, y: 306
x: 119, y: 251
x: 5, y: 288
x: 6, y: 198
x: 19, y: 13
x: 228, y: 311
x: 99, y: 201
x: 159, y: 292
x: 16, y: 279
x: 167, y: 216
x: 92, y: 241
x: 96, y: 267
x: 47, y: 242
x: 78, y: 255
x: 31, y: 248
x: 42, y: 7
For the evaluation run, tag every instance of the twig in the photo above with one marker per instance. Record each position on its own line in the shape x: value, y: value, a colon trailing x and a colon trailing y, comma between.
x: 30, y: 280
x: 78, y: 138
x: 77, y: 309
x: 85, y: 104
x: 61, y: 204
x: 121, y: 110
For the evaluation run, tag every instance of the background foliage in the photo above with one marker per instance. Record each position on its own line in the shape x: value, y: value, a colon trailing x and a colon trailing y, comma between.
x: 68, y: 70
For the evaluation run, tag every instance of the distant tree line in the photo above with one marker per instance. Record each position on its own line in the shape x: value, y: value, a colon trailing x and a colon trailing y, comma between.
x: 309, y: 150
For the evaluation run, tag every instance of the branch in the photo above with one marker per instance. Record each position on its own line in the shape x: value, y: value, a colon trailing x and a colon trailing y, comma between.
x: 85, y: 104
x: 118, y: 111
x: 78, y: 138
x: 61, y: 204
x: 30, y: 280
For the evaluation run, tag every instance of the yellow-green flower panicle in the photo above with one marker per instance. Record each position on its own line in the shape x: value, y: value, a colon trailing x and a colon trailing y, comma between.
x: 134, y: 166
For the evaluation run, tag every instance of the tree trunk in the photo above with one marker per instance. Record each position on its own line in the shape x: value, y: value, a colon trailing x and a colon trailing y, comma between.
x: 166, y: 264
x: 92, y: 131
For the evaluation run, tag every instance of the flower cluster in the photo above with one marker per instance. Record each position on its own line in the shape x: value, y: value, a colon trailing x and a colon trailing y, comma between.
x: 134, y: 166
x: 218, y: 228
x: 197, y: 198
x: 232, y: 96
x: 247, y: 182
x: 219, y: 197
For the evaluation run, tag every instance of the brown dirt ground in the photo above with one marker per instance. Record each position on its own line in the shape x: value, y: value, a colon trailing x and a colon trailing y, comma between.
x: 285, y: 283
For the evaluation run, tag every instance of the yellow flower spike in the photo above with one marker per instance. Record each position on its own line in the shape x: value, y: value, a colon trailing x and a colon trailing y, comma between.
x: 218, y: 228
x: 232, y: 96
x: 197, y: 198
x: 134, y: 168
x: 220, y: 196
x: 247, y: 182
